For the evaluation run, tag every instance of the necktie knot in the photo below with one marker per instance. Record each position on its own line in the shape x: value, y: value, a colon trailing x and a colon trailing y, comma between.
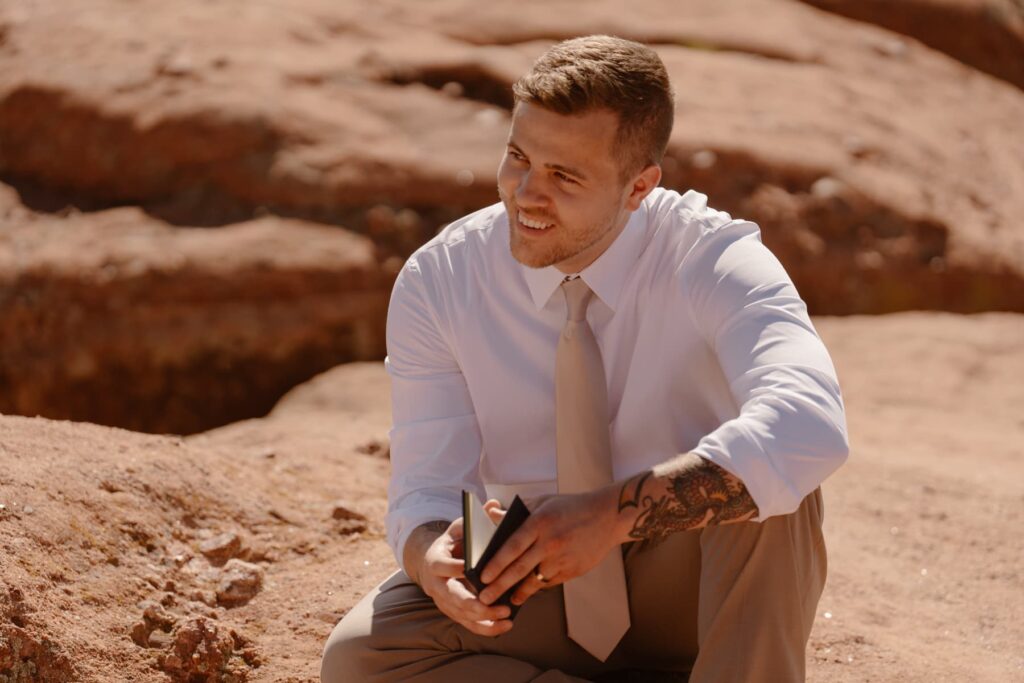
x: 577, y: 297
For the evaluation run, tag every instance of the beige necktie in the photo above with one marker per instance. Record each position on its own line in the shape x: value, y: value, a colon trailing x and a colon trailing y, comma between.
x: 597, y: 603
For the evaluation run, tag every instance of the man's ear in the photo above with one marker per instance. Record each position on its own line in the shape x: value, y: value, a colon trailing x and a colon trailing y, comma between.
x: 643, y: 183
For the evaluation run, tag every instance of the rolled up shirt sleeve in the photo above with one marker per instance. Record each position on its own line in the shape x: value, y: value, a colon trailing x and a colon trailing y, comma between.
x: 435, y: 437
x: 790, y: 433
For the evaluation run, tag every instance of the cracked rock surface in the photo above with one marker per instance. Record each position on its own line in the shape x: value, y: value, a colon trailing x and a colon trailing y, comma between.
x: 204, y: 204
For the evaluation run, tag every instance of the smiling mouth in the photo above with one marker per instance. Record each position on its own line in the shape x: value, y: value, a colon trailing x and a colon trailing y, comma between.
x: 532, y: 224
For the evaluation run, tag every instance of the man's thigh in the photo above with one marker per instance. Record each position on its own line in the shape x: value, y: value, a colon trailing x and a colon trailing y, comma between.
x: 699, y: 598
x: 397, y: 630
x: 760, y: 585
x: 664, y: 590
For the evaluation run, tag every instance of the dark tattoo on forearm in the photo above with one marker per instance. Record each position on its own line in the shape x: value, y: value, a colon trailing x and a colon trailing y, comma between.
x: 701, y: 494
x: 629, y: 496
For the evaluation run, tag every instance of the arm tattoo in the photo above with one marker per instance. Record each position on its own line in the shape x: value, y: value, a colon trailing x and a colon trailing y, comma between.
x: 700, y: 493
x: 629, y: 497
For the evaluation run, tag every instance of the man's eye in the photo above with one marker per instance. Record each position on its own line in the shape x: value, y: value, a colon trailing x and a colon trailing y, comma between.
x: 565, y: 178
x: 516, y: 155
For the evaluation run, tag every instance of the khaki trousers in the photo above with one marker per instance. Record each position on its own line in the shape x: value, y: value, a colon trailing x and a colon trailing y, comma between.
x: 727, y: 603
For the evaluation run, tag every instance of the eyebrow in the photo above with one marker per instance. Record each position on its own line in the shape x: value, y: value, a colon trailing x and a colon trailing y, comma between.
x: 557, y: 167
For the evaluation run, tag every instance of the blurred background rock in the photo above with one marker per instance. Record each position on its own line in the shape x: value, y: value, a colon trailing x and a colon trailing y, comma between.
x: 204, y: 203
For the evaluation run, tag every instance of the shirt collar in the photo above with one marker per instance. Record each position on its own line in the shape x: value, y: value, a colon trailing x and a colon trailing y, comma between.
x: 605, y: 276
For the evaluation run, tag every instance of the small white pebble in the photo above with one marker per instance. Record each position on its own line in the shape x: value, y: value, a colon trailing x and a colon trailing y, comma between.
x: 366, y: 563
x: 828, y: 615
x: 924, y: 572
x: 849, y: 658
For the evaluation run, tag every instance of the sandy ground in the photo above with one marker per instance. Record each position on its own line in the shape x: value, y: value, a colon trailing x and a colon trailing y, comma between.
x: 923, y: 522
x: 106, y: 532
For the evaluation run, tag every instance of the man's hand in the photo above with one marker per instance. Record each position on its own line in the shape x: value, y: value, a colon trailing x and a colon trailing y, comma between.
x: 564, y: 537
x: 440, y: 574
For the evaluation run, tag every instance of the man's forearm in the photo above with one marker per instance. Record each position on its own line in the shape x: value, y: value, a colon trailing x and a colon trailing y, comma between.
x: 687, y: 492
x: 416, y: 546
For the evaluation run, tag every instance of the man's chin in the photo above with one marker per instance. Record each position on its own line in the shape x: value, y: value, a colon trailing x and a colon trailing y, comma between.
x: 530, y: 262
x: 531, y: 259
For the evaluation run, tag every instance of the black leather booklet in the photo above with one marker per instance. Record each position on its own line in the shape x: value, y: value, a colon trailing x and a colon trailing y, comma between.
x: 482, y: 538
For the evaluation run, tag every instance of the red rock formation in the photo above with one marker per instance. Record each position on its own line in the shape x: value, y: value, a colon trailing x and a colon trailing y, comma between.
x: 118, y: 319
x: 986, y: 34
x: 883, y: 173
x: 406, y: 108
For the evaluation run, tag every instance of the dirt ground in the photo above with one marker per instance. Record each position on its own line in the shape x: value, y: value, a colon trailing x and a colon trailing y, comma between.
x: 232, y: 553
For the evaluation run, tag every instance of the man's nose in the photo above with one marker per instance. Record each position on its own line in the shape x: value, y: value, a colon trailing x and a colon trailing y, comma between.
x: 530, y: 190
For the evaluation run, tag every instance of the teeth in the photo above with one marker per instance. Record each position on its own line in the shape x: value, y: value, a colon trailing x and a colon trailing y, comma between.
x: 536, y: 225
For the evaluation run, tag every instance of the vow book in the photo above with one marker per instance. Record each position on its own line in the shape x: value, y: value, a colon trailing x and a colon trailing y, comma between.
x: 482, y: 538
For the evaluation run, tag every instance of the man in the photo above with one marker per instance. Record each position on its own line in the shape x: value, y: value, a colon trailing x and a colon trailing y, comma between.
x: 637, y: 367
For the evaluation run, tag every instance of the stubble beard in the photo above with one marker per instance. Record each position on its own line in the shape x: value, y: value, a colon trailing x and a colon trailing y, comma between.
x: 535, y: 256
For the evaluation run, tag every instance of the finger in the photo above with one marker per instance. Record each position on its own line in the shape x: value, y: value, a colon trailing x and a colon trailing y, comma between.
x: 444, y: 557
x: 514, y: 547
x: 468, y: 606
x: 465, y: 597
x: 486, y: 627
x: 493, y: 509
x: 448, y: 567
x: 532, y: 585
x: 489, y: 628
x: 513, y: 574
x: 456, y: 530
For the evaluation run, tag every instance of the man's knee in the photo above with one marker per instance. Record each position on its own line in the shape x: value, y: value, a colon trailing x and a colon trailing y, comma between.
x: 396, y: 617
x: 345, y: 656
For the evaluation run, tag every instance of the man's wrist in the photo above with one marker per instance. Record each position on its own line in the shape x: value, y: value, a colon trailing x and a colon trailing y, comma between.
x: 416, y: 546
x: 625, y: 501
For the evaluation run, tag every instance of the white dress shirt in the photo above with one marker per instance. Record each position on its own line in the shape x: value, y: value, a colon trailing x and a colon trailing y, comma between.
x: 707, y: 347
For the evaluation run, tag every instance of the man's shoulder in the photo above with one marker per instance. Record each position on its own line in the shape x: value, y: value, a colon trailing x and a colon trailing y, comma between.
x: 683, y: 216
x: 682, y: 225
x: 462, y: 241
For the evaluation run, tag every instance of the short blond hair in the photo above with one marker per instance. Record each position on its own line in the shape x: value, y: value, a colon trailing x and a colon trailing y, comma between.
x: 605, y: 72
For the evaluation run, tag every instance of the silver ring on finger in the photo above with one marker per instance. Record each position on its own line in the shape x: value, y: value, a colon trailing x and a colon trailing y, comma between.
x: 540, y: 577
